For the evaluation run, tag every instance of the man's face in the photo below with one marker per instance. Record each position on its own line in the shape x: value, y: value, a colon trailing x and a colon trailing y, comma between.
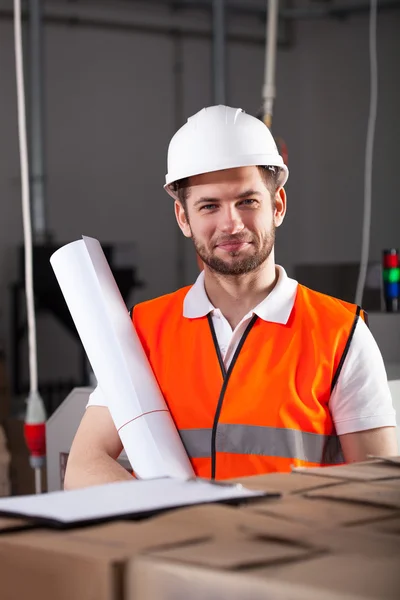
x: 231, y: 217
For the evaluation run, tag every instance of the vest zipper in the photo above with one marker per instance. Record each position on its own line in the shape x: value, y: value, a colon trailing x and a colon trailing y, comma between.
x: 226, y: 376
x: 216, y: 345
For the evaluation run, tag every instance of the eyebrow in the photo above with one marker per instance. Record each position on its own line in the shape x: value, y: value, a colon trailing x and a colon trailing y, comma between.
x: 240, y: 196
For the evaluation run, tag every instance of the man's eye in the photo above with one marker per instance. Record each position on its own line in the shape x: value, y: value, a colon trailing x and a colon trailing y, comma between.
x: 248, y: 202
x: 206, y: 207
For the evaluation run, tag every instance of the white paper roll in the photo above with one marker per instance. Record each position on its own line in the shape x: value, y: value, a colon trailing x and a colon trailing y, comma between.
x: 140, y: 414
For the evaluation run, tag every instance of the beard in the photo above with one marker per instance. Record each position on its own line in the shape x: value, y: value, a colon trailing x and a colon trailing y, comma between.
x: 242, y: 265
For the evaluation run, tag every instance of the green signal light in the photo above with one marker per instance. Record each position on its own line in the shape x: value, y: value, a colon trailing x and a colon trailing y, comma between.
x: 391, y: 275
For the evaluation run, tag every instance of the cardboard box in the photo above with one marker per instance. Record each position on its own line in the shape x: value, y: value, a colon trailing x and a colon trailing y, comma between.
x: 320, y: 512
x: 94, y: 562
x: 373, y: 494
x: 82, y: 564
x: 8, y: 525
x: 372, y: 470
x: 313, y: 543
x: 389, y: 526
x: 287, y: 483
x: 328, y: 577
x: 341, y: 517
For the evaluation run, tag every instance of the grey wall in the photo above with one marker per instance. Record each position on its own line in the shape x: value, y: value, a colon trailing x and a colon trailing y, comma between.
x: 110, y: 114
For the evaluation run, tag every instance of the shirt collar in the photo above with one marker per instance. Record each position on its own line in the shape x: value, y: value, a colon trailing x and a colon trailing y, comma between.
x: 276, y: 307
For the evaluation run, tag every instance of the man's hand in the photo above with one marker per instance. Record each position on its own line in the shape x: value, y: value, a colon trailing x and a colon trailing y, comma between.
x: 376, y: 442
x: 92, y: 459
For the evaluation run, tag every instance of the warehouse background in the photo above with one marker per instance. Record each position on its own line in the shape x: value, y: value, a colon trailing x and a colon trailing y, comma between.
x: 120, y: 77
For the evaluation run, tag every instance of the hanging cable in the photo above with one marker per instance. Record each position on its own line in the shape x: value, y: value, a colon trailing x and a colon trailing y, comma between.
x: 271, y: 36
x: 35, y: 413
x: 23, y: 151
x: 369, y: 151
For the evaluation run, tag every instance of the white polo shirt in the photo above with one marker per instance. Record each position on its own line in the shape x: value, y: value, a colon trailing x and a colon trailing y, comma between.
x: 361, y: 398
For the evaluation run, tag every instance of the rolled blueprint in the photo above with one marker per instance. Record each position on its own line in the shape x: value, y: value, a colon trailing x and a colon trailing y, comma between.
x: 125, y: 377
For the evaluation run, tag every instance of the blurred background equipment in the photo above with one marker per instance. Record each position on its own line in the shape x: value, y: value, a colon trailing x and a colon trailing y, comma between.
x: 35, y: 416
x: 369, y: 152
x: 271, y: 38
x: 391, y: 279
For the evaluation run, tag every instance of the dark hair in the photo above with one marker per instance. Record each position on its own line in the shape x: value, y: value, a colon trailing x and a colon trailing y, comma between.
x: 270, y: 176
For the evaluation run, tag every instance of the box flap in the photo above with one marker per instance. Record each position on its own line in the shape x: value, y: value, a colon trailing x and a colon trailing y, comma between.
x: 207, y: 521
x: 229, y: 554
x: 285, y: 483
x: 270, y: 527
x: 321, y: 512
x: 364, y: 471
x: 148, y: 578
x: 390, y: 526
x: 362, y: 493
x: 394, y: 460
x: 350, y: 541
x: 223, y: 522
x: 113, y: 542
x: 151, y: 533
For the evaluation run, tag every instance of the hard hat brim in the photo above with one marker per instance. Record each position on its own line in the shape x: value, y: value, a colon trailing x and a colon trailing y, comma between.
x: 247, y: 161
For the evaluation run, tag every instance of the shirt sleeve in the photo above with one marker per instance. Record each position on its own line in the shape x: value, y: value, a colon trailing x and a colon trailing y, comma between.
x: 97, y: 398
x: 361, y: 398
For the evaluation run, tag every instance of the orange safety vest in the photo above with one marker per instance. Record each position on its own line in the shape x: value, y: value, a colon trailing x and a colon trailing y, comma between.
x: 270, y: 410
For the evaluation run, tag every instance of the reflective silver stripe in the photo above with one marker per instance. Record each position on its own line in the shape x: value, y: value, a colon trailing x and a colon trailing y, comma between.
x: 197, y: 442
x: 264, y: 441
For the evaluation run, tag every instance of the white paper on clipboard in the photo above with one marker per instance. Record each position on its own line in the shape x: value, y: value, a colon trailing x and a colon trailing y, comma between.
x: 141, y: 416
x: 124, y: 498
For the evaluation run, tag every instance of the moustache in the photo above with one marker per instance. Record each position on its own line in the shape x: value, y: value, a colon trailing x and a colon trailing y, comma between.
x: 233, y: 239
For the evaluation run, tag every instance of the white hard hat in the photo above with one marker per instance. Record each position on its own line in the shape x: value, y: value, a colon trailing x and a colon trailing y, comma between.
x: 221, y: 137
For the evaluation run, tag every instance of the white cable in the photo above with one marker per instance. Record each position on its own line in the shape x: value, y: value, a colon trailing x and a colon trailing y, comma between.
x: 38, y: 481
x: 271, y: 35
x: 369, y: 150
x: 26, y: 216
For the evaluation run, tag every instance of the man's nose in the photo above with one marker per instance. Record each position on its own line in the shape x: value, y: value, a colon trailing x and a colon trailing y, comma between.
x: 231, y: 221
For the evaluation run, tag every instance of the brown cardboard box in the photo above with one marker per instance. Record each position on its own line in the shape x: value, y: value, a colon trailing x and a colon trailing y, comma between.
x: 287, y: 483
x: 372, y: 470
x: 83, y: 564
x: 330, y: 577
x: 374, y: 494
x: 270, y: 548
x: 320, y: 512
x: 323, y: 513
x: 389, y: 526
x: 94, y: 562
x: 9, y: 524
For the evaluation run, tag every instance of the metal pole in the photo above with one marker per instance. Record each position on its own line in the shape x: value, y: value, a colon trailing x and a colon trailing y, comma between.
x: 39, y: 228
x: 270, y: 60
x: 178, y: 104
x: 219, y: 71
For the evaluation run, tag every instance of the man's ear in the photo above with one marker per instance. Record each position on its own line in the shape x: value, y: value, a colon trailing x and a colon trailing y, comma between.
x: 280, y: 207
x: 182, y: 220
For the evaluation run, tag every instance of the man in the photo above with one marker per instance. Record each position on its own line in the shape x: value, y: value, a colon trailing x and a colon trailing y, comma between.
x: 259, y: 372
